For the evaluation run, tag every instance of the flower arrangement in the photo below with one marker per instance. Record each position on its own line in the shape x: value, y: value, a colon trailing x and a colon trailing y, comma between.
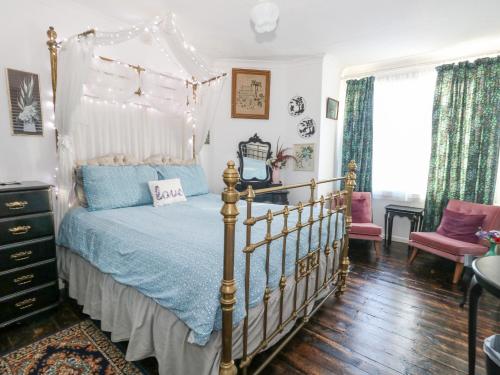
x: 492, y: 236
x: 281, y: 158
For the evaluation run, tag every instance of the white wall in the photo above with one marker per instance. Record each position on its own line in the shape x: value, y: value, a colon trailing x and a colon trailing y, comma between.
x: 300, y: 77
x: 330, y: 87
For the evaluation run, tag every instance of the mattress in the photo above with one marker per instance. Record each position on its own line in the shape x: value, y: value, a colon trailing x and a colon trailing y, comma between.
x: 174, y: 254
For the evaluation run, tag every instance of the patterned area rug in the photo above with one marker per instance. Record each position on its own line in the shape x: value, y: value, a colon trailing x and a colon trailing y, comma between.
x: 82, y: 349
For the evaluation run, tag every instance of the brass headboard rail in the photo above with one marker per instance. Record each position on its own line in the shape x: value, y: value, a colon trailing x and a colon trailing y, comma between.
x: 243, y: 194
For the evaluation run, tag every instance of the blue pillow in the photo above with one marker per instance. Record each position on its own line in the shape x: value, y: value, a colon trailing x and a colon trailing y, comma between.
x: 192, y: 177
x: 108, y: 187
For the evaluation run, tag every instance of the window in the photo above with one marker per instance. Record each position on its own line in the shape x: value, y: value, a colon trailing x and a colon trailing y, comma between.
x: 402, y: 134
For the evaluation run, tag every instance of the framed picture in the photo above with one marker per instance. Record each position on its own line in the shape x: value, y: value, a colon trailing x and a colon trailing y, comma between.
x: 296, y: 106
x: 332, y: 108
x: 25, y: 105
x: 250, y: 94
x: 304, y: 155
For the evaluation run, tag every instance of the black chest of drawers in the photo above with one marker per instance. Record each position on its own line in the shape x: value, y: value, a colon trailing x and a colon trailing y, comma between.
x: 28, y: 269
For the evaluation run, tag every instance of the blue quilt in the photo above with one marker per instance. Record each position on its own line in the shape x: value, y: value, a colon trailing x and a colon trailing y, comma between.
x: 174, y: 254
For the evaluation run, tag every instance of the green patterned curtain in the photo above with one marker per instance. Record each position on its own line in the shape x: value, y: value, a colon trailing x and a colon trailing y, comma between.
x: 465, y: 136
x: 357, y: 141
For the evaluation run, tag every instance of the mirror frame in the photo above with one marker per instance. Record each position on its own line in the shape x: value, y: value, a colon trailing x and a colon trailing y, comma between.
x: 254, y: 139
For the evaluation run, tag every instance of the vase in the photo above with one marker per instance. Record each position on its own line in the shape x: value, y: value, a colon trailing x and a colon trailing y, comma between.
x: 493, y: 250
x: 276, y: 175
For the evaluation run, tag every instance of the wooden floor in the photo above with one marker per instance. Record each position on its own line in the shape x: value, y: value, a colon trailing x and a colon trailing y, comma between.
x: 392, y: 320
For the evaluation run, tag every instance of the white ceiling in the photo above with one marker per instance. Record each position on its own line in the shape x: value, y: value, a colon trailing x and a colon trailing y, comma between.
x: 355, y: 31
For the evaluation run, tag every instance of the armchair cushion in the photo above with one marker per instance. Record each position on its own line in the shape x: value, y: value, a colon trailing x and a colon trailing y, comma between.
x: 460, y: 226
x: 361, y: 207
x: 446, y: 244
x: 367, y: 229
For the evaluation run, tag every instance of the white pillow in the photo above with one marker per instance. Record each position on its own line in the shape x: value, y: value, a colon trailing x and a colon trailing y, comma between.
x: 166, y: 192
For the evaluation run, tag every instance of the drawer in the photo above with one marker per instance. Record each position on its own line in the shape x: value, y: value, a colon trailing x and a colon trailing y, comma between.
x: 24, y: 228
x: 28, y: 302
x: 24, y: 202
x: 27, y: 277
x: 24, y: 253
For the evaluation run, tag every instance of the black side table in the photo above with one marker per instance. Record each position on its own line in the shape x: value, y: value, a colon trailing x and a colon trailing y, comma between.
x: 486, y: 276
x: 415, y: 214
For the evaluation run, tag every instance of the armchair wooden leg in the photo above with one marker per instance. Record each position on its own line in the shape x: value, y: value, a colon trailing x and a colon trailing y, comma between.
x: 377, y: 246
x: 459, y: 267
x: 413, y: 256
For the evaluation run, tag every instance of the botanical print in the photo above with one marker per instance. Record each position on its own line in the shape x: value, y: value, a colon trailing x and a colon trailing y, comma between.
x: 250, y: 96
x: 332, y: 109
x: 465, y: 136
x: 304, y: 157
x: 296, y: 106
x: 357, y: 143
x: 306, y: 127
x: 25, y: 108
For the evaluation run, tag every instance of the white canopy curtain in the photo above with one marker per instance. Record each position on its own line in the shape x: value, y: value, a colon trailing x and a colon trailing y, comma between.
x: 402, y: 131
x: 99, y: 111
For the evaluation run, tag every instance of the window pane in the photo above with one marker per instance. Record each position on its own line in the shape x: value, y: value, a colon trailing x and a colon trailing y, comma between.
x: 402, y: 129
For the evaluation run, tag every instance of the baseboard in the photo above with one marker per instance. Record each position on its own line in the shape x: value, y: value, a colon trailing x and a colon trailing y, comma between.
x: 400, y: 239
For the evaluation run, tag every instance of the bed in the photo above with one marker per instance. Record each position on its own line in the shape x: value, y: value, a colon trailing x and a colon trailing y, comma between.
x: 152, y: 275
x: 170, y: 256
x: 203, y: 285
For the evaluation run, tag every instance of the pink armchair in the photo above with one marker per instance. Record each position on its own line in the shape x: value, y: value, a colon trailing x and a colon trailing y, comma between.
x: 451, y: 248
x: 362, y: 227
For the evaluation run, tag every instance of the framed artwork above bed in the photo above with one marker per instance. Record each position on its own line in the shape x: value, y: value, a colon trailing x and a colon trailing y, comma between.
x: 250, y: 94
x: 25, y: 106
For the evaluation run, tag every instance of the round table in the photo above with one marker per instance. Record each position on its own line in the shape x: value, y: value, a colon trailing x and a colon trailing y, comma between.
x: 487, y: 277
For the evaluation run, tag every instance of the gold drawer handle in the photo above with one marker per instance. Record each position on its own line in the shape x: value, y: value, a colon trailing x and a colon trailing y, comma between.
x: 25, y: 279
x: 21, y: 255
x: 22, y: 229
x: 16, y: 205
x: 24, y: 304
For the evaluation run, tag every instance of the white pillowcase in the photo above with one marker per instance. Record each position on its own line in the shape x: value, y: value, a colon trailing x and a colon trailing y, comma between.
x: 166, y: 192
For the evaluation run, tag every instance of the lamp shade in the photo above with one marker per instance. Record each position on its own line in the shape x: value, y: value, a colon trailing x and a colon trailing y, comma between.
x: 265, y: 16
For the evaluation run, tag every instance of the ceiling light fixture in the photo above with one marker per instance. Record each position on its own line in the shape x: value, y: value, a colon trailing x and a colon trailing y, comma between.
x: 265, y: 16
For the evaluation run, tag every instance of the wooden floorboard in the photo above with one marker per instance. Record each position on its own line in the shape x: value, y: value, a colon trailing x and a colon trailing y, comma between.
x: 393, y: 319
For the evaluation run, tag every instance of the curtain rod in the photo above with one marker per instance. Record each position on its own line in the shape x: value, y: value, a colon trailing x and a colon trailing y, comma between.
x: 428, y: 64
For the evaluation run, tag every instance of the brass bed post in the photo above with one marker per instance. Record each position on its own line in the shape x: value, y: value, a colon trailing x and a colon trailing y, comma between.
x: 229, y: 210
x: 52, y: 44
x: 350, y: 184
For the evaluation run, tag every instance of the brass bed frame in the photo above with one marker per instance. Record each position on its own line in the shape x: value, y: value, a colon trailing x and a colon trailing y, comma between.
x: 334, y: 280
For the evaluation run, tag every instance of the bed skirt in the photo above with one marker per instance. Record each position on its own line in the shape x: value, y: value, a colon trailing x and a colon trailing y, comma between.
x: 154, y: 331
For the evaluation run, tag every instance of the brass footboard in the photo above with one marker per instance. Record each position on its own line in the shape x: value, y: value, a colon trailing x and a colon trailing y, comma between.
x: 307, y: 267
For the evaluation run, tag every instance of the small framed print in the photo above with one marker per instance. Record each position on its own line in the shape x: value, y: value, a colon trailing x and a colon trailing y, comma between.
x: 250, y: 94
x: 304, y: 157
x: 25, y: 105
x: 296, y: 106
x: 332, y: 108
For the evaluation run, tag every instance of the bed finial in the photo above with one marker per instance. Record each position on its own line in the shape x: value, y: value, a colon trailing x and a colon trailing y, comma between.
x: 230, y: 197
